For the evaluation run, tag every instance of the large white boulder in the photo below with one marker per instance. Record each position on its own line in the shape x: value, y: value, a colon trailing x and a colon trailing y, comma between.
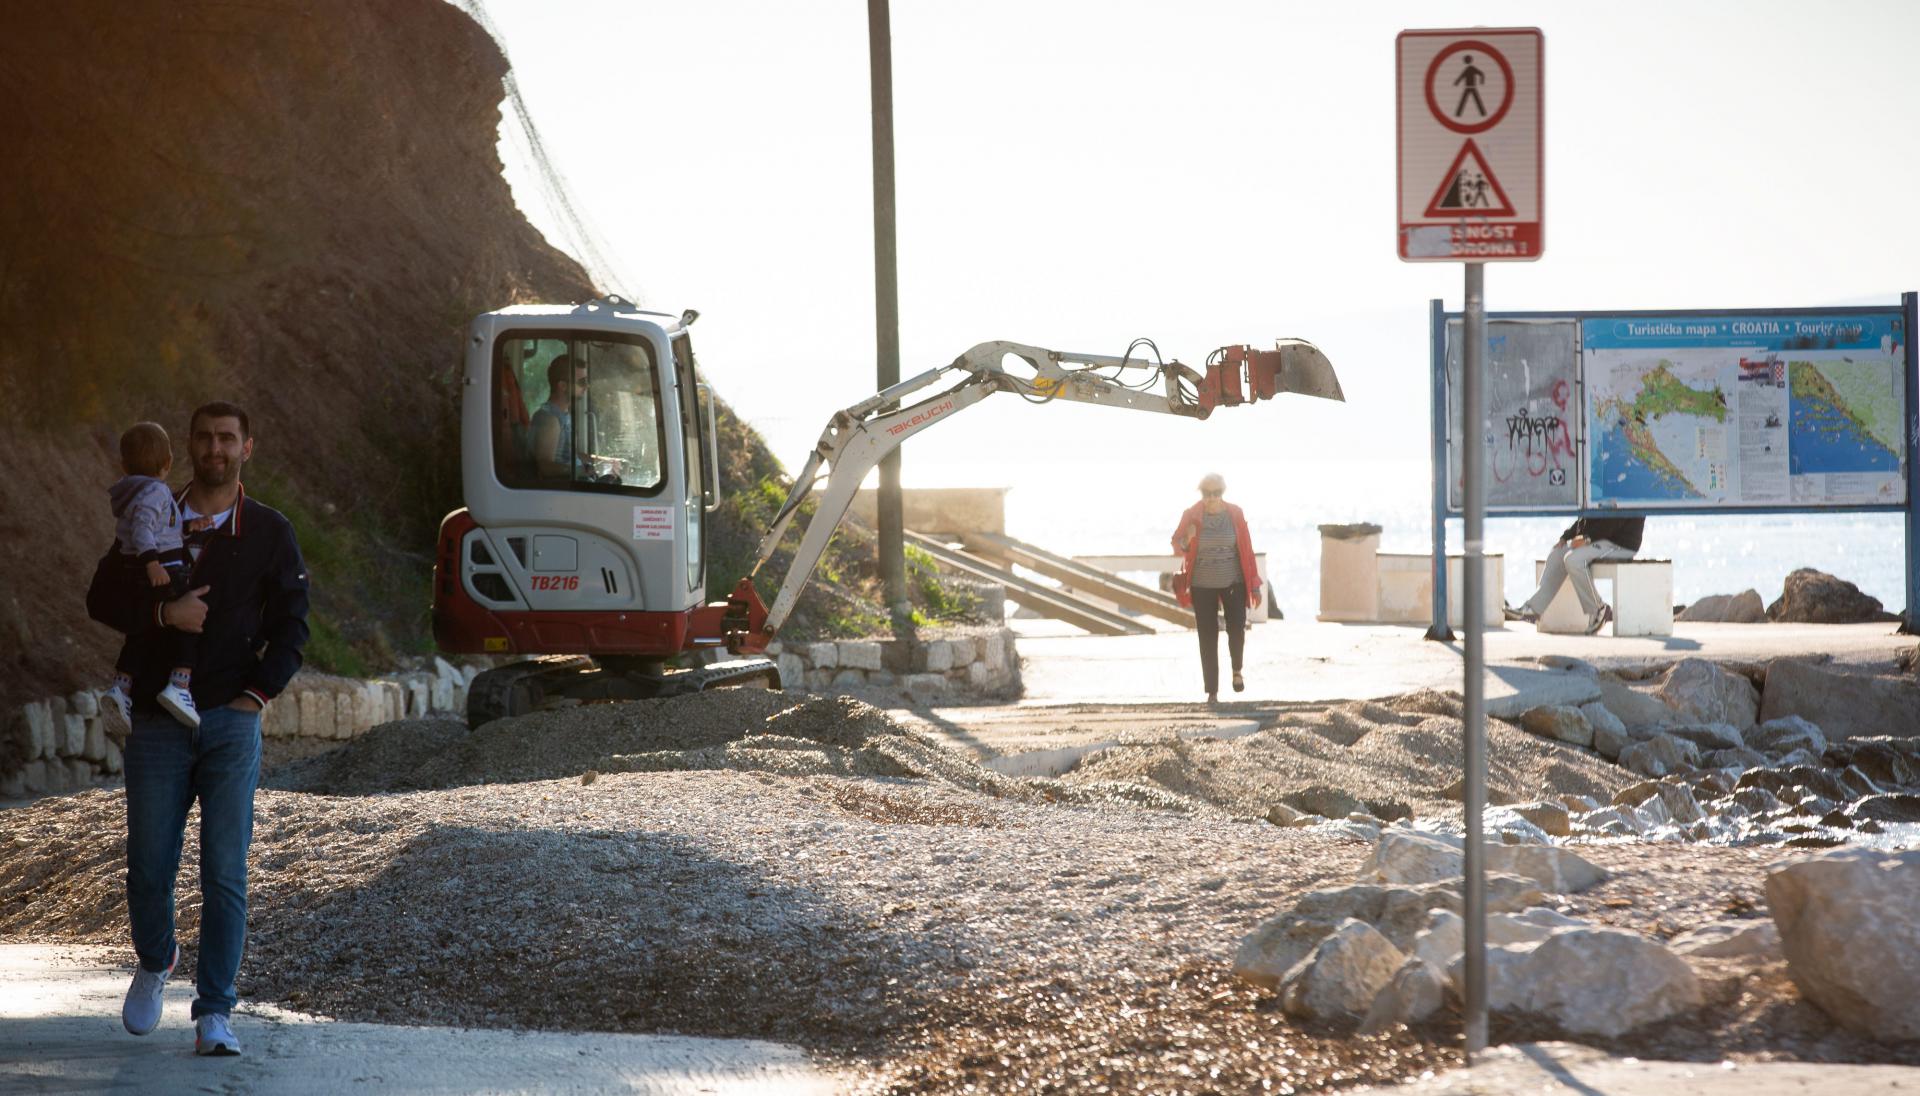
x: 1506, y: 975
x: 1414, y: 856
x: 1557, y: 870
x: 1787, y: 734
x: 1559, y: 722
x: 1676, y: 801
x: 1701, y: 692
x: 1603, y: 981
x: 1633, y: 707
x: 1416, y: 992
x: 1749, y: 938
x: 1842, y: 705
x: 1660, y: 755
x: 1340, y: 979
x: 1849, y: 923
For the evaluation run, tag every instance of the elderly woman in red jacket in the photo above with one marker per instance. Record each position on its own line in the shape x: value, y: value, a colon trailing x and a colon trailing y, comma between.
x: 1219, y: 574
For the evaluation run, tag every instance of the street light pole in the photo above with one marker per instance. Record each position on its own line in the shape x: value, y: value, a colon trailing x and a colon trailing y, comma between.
x: 886, y: 300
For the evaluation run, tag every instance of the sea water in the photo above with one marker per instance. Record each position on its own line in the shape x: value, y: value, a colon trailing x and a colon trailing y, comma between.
x: 1718, y: 554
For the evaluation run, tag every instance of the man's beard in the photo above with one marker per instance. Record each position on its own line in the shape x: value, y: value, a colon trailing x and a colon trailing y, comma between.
x: 218, y: 476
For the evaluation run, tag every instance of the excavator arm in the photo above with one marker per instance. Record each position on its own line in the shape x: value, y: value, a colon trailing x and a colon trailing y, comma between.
x: 858, y: 437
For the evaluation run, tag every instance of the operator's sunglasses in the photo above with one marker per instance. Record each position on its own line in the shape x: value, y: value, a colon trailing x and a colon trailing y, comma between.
x: 1213, y: 494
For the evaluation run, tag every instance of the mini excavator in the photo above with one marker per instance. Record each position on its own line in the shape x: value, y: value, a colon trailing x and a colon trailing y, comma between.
x: 589, y: 463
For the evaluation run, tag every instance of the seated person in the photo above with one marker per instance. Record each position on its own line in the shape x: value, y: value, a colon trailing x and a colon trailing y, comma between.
x: 1585, y: 542
x: 552, y: 443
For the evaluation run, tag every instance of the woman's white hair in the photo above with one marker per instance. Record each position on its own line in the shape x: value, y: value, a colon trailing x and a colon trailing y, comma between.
x: 1213, y: 481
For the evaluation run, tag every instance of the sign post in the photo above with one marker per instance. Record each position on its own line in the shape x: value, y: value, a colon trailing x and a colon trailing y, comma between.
x: 1469, y: 129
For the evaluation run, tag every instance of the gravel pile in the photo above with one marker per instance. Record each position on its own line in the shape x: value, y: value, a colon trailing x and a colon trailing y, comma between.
x: 802, y: 869
x: 1401, y: 752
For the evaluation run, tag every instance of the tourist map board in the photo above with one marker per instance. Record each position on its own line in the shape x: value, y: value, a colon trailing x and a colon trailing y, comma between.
x: 1776, y: 410
x: 1701, y: 411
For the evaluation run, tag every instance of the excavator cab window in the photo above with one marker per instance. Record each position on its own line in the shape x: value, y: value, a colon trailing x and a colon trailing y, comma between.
x: 577, y: 411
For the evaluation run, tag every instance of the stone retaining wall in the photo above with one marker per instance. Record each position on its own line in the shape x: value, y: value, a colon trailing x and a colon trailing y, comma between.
x: 67, y: 743
x: 972, y: 662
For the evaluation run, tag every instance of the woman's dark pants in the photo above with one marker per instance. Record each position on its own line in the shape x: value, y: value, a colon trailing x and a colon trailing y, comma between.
x: 1207, y: 603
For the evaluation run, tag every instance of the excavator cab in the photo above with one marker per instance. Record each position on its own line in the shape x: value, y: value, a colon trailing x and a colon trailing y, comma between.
x: 588, y: 466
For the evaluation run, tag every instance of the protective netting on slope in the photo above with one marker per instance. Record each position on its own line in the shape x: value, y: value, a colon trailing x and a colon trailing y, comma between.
x: 578, y: 235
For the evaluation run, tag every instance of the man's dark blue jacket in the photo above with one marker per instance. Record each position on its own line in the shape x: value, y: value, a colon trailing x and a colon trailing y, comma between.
x: 256, y: 611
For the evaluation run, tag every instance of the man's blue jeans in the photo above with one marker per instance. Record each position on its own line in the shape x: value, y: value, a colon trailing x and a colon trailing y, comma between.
x: 169, y: 766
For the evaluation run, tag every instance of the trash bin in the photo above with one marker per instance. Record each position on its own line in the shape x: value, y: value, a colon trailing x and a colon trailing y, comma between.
x: 1349, y: 572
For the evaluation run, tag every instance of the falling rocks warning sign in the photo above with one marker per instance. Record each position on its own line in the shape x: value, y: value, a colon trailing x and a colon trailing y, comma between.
x: 1469, y: 126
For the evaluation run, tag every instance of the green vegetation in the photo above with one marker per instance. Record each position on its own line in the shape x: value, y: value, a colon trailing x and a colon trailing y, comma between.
x: 1661, y: 393
x: 942, y: 601
x: 353, y: 567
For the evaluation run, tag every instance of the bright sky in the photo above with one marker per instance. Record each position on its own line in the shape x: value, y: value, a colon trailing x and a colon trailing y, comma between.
x: 1075, y: 174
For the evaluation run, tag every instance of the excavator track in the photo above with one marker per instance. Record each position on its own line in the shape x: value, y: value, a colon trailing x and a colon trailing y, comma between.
x: 558, y: 681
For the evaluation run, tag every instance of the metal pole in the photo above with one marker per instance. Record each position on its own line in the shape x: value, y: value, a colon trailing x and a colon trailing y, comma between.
x: 1437, y: 349
x: 1910, y: 312
x: 886, y: 300
x: 1473, y: 430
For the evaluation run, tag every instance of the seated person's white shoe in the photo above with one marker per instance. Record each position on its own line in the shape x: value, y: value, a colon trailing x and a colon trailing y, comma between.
x: 141, y: 1010
x: 121, y: 702
x: 178, y: 701
x: 213, y: 1034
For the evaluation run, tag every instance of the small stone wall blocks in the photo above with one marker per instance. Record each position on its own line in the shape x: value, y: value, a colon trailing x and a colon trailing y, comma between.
x: 978, y: 662
x: 70, y: 743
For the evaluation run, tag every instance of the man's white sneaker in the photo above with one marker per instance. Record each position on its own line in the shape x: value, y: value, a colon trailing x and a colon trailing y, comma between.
x: 141, y: 1011
x: 179, y: 702
x: 121, y: 702
x: 212, y: 1034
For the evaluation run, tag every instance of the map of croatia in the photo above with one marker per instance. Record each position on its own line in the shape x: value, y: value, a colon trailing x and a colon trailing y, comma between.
x: 1649, y: 441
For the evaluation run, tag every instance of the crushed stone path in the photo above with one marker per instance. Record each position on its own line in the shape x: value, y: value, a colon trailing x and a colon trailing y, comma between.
x: 60, y: 1033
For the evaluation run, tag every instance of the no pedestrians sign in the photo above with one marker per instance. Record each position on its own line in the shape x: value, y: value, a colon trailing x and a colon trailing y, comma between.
x: 1469, y: 115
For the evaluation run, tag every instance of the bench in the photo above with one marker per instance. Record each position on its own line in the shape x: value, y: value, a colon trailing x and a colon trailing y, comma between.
x: 1642, y: 598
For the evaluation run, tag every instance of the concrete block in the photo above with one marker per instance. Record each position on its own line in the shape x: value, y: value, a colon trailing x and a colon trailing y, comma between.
x: 316, y: 713
x: 849, y: 679
x: 73, y: 735
x: 881, y: 677
x: 281, y: 718
x: 95, y: 748
x: 346, y: 713
x: 58, y: 777
x: 79, y: 774
x: 33, y: 776
x: 925, y: 686
x: 85, y: 704
x: 823, y: 656
x: 13, y: 785
x: 994, y: 649
x: 820, y: 681
x: 860, y: 654
x: 793, y: 670
x: 979, y: 677
x: 419, y: 689
x: 396, y: 698
x: 441, y: 697
x: 39, y: 717
x: 113, y: 762
x: 937, y: 657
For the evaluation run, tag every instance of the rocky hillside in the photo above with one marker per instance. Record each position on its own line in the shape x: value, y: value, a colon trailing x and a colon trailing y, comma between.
x: 294, y: 206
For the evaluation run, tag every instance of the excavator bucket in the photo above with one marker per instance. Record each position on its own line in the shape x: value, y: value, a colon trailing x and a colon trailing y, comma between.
x: 1241, y: 374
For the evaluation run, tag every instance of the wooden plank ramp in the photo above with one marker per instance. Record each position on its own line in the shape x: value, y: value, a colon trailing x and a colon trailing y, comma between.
x: 1079, y: 576
x: 1028, y: 594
